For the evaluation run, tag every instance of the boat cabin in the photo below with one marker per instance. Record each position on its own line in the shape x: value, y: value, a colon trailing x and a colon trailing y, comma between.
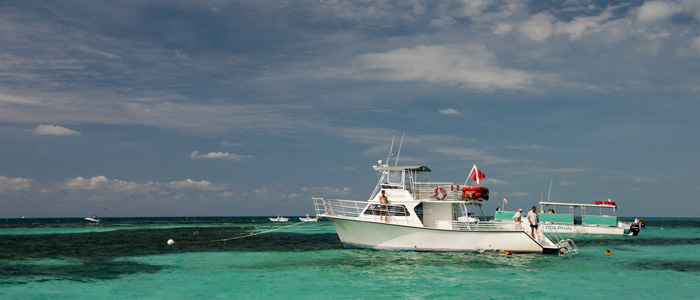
x: 416, y: 201
x: 603, y: 214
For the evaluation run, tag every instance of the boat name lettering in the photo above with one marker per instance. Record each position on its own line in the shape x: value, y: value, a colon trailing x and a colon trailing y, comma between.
x: 558, y: 227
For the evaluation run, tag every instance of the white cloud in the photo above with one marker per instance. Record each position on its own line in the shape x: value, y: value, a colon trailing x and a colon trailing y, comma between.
x: 102, y: 183
x: 327, y: 191
x: 18, y: 183
x: 54, y: 130
x: 493, y: 181
x: 503, y: 28
x: 443, y: 22
x: 470, y: 66
x: 516, y: 195
x: 199, y: 185
x: 449, y: 111
x: 220, y: 155
x: 98, y: 183
x: 539, y: 27
x: 696, y: 44
x: 580, y: 25
x: 7, y: 98
x: 654, y: 11
x: 470, y: 154
x: 473, y: 7
x: 544, y: 25
x: 528, y: 147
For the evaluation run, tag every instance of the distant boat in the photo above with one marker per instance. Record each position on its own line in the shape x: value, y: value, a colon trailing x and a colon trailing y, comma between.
x: 92, y: 219
x: 577, y: 218
x: 279, y: 219
x: 309, y: 219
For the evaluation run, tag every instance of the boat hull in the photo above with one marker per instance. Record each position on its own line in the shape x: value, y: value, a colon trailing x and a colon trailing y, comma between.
x: 363, y: 234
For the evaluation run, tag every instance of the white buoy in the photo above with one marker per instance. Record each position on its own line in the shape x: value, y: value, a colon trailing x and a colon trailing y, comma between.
x: 170, y: 242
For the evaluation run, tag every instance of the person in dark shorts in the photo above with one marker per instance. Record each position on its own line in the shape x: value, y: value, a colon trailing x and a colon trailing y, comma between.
x: 383, y: 208
x: 534, y: 220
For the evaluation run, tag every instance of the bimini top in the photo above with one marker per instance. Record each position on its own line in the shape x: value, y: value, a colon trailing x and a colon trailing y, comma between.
x: 410, y: 168
x: 578, y: 204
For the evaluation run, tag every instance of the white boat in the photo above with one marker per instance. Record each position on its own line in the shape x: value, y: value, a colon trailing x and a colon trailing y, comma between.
x: 279, y: 219
x: 577, y: 218
x: 93, y: 219
x: 424, y: 216
x: 309, y: 219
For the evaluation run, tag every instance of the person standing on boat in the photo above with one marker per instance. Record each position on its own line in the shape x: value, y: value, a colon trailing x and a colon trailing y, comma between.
x: 383, y: 208
x: 534, y: 220
x: 518, y: 215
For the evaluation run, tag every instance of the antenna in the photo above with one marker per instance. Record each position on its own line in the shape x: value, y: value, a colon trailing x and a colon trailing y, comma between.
x: 391, y: 150
x: 399, y: 154
x: 550, y: 190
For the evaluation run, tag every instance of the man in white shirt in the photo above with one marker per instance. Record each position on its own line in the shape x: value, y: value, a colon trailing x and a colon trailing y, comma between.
x: 534, y: 220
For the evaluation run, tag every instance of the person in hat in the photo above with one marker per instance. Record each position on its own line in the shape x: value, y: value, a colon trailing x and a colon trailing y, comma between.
x: 517, y: 217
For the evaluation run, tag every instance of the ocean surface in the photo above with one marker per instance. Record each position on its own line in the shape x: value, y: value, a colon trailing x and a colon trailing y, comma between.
x: 246, y: 258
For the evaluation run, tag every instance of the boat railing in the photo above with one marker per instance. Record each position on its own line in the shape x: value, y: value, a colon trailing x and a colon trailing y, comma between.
x: 338, y: 208
x: 353, y: 209
x: 567, y: 246
x: 474, y: 226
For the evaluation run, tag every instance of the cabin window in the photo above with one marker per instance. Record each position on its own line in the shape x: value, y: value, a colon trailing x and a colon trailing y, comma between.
x: 393, y: 210
x: 394, y: 177
x: 393, y: 180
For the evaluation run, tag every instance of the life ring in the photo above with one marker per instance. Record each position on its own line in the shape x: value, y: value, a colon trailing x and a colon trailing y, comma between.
x: 443, y: 193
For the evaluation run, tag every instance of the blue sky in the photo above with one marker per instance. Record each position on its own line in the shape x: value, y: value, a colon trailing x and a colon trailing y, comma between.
x: 239, y: 108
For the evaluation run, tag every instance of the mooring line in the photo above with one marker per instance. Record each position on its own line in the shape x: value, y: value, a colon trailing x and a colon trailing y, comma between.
x: 171, y: 241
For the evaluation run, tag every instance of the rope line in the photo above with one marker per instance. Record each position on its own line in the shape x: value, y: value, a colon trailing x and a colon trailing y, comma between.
x: 170, y: 242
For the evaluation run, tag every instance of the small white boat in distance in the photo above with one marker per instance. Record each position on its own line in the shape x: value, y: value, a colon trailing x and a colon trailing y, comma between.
x: 279, y: 219
x: 93, y: 219
x: 309, y: 219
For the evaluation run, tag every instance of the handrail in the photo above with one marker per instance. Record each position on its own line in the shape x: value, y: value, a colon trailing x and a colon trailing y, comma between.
x: 338, y: 208
x: 350, y: 209
x: 567, y: 246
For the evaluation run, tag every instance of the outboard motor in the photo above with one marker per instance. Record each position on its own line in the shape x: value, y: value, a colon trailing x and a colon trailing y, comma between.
x: 634, y: 229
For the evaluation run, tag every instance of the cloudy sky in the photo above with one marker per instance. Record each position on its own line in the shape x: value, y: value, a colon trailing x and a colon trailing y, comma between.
x: 250, y: 108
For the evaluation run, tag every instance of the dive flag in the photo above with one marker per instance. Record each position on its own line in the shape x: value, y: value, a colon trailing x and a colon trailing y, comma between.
x: 505, y: 200
x: 476, y: 175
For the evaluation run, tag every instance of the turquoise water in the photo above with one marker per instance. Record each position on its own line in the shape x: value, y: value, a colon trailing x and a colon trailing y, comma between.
x: 129, y: 258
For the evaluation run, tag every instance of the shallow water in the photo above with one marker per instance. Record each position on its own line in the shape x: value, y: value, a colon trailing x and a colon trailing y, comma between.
x: 129, y: 258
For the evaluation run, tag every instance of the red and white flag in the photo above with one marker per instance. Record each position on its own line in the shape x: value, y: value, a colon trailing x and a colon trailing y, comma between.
x: 505, y: 200
x: 476, y: 175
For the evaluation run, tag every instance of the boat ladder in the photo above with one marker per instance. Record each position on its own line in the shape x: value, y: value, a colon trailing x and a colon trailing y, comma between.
x: 566, y: 246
